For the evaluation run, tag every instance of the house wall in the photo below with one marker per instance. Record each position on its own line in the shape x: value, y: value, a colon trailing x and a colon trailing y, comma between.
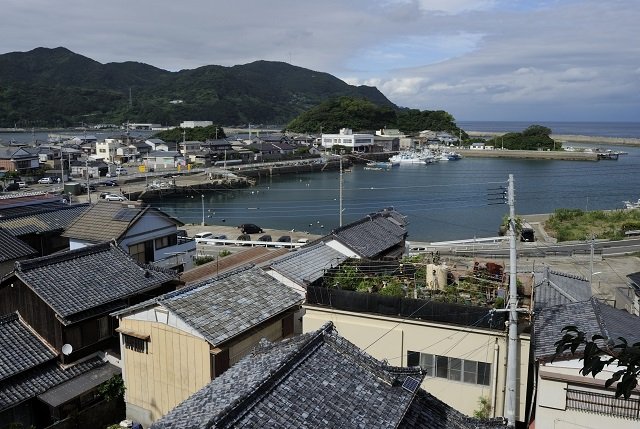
x: 553, y: 410
x: 16, y: 296
x: 175, y: 365
x: 391, y: 338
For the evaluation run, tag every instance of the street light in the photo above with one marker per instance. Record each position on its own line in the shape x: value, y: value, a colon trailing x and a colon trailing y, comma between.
x: 202, y: 195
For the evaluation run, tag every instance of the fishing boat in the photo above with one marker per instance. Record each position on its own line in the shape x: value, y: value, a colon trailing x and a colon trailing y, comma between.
x: 629, y: 205
x: 380, y: 164
x: 408, y: 157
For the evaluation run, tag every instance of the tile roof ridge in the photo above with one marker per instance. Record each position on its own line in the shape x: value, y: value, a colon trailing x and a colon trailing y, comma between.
x: 286, y: 366
x: 568, y: 275
x: 62, y: 257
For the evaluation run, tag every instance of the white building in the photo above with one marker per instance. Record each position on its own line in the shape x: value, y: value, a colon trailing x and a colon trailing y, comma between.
x: 346, y: 138
x: 193, y: 124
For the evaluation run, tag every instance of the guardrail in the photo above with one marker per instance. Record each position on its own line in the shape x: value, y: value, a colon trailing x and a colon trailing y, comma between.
x: 251, y: 243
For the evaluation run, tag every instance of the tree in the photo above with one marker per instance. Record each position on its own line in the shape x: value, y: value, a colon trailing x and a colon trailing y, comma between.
x: 601, y: 351
x: 537, y: 130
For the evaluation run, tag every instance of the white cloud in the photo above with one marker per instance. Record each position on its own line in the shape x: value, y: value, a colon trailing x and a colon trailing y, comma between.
x: 501, y: 59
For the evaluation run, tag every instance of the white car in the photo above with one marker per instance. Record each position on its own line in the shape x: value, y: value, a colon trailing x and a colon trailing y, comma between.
x: 46, y: 181
x: 202, y: 236
x: 113, y: 197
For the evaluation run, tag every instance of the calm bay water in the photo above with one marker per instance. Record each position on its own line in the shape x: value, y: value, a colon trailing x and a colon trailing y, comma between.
x: 444, y: 201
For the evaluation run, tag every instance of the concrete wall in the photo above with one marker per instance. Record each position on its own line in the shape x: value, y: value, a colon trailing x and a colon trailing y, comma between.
x: 390, y: 338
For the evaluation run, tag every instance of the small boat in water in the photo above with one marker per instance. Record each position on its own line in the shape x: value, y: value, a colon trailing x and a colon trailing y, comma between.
x: 629, y: 205
x: 380, y: 164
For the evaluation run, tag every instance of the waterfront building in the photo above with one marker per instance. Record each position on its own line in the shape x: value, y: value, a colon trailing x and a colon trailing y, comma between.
x: 356, y: 142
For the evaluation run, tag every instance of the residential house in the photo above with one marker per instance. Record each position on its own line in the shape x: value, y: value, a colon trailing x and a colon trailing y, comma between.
x: 562, y: 397
x: 194, y: 124
x: 380, y: 235
x: 175, y: 344
x: 147, y: 234
x: 67, y: 297
x: 107, y: 149
x: 164, y: 159
x: 36, y: 390
x: 38, y: 219
x: 319, y: 379
x: 270, y: 151
x: 156, y: 144
x: 461, y: 348
x: 18, y: 159
x: 628, y: 297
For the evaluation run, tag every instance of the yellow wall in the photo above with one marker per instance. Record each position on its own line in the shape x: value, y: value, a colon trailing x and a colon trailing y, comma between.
x: 390, y: 338
x: 175, y: 366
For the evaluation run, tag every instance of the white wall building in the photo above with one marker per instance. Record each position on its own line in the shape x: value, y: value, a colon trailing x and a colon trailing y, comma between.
x: 346, y: 137
x: 193, y: 124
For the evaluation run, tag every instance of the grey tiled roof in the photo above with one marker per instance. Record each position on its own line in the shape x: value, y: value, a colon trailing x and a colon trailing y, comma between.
x: 20, y: 348
x: 227, y: 305
x: 374, y: 234
x: 555, y: 288
x: 107, y: 220
x: 313, y: 380
x: 55, y: 219
x: 12, y: 248
x: 38, y: 380
x: 79, y: 280
x: 592, y: 317
x: 308, y: 264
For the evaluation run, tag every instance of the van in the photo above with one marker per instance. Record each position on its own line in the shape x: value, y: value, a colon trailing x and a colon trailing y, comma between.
x: 120, y: 171
x: 22, y: 185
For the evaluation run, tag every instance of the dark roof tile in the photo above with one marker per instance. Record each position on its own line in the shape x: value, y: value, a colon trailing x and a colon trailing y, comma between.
x: 313, y: 380
x: 20, y: 348
x: 83, y: 279
x: 12, y: 248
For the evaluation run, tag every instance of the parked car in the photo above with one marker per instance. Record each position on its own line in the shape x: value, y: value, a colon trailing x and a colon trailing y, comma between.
x: 46, y: 181
x: 110, y: 183
x: 22, y: 185
x: 121, y: 171
x: 265, y: 237
x: 250, y: 228
x: 104, y: 194
x: 92, y: 187
x: 284, y: 239
x: 244, y: 237
x: 114, y: 197
x: 11, y: 187
x: 199, y: 237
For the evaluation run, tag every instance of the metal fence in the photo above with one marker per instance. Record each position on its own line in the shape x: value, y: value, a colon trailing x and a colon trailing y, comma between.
x: 603, y: 403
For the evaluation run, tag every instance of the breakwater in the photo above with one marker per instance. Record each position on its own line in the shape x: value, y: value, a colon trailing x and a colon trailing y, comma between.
x: 529, y: 154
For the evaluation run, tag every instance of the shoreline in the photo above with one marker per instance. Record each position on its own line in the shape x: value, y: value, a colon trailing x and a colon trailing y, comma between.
x: 574, y: 138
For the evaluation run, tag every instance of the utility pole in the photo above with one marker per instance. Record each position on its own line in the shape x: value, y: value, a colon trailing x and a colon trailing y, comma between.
x: 202, y: 195
x: 86, y: 167
x: 340, y: 207
x: 512, y: 350
x: 591, y: 248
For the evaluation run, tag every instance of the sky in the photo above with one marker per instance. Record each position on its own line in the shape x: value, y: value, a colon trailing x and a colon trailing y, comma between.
x: 484, y: 60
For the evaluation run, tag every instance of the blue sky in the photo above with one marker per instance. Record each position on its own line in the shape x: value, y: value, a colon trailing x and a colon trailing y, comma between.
x: 548, y: 60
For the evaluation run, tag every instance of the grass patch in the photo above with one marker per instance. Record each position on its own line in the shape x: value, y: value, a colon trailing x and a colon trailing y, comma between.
x: 576, y: 224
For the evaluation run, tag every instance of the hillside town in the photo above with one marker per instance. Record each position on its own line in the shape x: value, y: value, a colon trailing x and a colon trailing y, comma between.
x: 110, y: 314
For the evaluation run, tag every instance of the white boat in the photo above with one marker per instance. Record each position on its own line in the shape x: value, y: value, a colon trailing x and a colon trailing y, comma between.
x: 630, y: 205
x: 448, y: 156
x: 408, y: 157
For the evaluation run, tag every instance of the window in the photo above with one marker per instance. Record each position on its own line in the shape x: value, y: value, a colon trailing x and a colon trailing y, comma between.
x: 467, y: 371
x: 455, y: 369
x: 442, y: 366
x: 166, y: 241
x: 134, y: 343
x: 137, y: 252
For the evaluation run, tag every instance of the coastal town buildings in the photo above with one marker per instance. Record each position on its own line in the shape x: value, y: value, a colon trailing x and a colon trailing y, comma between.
x: 346, y: 138
x: 175, y: 344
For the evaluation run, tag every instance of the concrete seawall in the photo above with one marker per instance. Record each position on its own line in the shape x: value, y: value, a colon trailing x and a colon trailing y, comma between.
x: 623, y: 141
x: 529, y: 154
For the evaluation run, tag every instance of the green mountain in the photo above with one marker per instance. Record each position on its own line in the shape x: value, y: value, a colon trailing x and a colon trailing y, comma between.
x: 56, y: 87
